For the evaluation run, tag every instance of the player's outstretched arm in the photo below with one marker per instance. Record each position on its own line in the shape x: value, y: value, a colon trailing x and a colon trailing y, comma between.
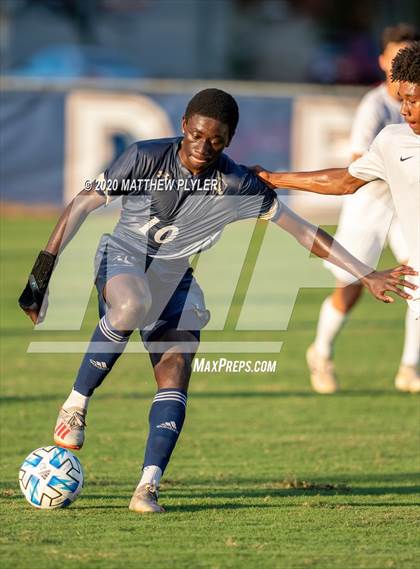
x: 32, y: 298
x: 323, y: 245
x: 333, y: 181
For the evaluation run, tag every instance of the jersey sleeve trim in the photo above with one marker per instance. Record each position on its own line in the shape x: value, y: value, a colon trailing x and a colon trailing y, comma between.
x: 357, y: 173
x: 271, y: 212
x: 99, y: 185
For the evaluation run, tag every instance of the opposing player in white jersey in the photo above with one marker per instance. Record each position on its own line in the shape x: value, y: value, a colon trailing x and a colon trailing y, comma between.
x: 394, y: 158
x: 378, y: 108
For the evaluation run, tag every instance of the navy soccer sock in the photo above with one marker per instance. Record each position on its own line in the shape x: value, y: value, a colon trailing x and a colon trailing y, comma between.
x: 166, y: 419
x: 97, y: 363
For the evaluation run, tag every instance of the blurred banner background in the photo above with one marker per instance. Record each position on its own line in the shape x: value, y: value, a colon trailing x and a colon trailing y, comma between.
x: 81, y: 79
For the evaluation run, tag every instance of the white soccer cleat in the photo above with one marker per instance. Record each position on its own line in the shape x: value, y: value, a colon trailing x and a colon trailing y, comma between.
x: 407, y: 379
x: 145, y: 500
x: 69, y: 429
x: 322, y: 372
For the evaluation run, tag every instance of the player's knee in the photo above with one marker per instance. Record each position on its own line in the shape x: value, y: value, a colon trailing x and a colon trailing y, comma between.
x: 179, y: 363
x: 173, y: 370
x: 146, y: 299
x: 130, y: 311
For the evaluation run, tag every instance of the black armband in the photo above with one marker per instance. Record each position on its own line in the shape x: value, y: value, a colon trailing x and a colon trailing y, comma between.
x: 36, y: 287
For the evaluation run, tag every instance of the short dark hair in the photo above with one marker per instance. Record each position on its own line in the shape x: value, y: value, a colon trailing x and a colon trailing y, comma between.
x: 406, y: 64
x: 398, y: 34
x: 215, y: 104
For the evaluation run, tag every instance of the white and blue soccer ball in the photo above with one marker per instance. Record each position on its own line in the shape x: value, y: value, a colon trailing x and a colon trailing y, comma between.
x: 51, y: 477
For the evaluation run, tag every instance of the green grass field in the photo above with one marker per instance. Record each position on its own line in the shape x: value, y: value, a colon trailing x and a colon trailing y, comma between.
x: 266, y: 474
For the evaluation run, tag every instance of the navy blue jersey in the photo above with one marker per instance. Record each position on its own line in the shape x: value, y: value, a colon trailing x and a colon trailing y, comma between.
x: 168, y: 212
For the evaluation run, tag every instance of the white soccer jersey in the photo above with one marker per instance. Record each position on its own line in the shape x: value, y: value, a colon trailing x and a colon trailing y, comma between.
x: 373, y: 203
x: 394, y: 157
x: 376, y: 110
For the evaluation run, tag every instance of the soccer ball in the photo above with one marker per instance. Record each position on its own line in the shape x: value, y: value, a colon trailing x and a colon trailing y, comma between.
x: 51, y: 477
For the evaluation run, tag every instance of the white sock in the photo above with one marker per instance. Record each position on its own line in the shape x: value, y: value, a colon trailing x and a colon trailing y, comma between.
x: 411, y: 350
x: 330, y: 323
x: 76, y: 399
x: 151, y: 475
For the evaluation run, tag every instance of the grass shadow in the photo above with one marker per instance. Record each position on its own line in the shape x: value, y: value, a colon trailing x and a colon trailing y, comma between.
x: 147, y: 396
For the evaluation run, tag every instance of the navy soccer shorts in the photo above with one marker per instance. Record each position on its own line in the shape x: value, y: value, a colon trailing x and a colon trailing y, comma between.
x: 177, y: 299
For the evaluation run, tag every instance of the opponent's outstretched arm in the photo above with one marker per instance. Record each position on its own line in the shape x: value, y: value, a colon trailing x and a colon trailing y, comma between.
x: 333, y: 181
x: 323, y: 245
x: 67, y: 225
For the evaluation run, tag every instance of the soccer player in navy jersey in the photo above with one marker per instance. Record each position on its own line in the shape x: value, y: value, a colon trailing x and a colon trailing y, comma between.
x: 178, y: 195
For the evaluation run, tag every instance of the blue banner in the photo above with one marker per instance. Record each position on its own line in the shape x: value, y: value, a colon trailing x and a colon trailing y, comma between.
x: 45, y: 136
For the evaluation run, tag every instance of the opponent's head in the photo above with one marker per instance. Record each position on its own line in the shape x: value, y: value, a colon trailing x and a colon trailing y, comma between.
x: 395, y: 38
x: 406, y: 74
x: 208, y: 125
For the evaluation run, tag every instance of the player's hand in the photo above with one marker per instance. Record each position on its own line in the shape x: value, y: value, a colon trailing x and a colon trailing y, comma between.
x: 263, y: 174
x: 37, y: 315
x: 33, y: 314
x: 34, y: 298
x: 391, y: 280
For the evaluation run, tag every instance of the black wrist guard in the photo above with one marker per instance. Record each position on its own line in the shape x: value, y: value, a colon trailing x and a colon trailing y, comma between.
x: 36, y: 287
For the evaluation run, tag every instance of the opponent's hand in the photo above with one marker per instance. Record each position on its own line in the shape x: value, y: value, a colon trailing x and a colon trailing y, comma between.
x: 263, y: 174
x: 379, y: 282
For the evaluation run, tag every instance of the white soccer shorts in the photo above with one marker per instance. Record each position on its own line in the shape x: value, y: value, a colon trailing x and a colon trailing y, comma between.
x: 367, y: 222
